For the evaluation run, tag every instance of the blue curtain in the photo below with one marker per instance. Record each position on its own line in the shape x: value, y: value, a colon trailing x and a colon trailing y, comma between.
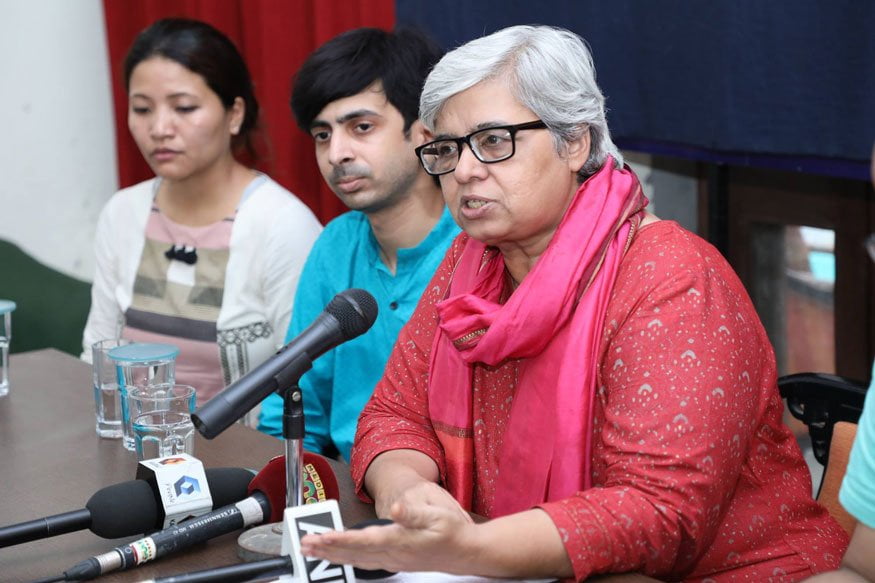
x: 790, y: 80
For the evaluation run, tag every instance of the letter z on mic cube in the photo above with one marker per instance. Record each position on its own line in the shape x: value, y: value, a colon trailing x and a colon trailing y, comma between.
x: 315, y: 518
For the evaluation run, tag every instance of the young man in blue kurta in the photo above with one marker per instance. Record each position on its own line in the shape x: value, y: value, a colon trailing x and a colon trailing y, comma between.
x: 358, y: 97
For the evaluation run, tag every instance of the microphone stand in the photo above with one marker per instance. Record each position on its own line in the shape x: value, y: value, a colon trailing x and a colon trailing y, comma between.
x: 265, y: 541
x: 293, y: 433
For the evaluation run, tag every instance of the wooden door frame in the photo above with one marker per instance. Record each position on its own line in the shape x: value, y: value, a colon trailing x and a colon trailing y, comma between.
x: 750, y: 196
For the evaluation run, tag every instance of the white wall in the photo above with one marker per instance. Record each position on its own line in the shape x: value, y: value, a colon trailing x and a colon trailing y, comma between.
x: 57, y: 153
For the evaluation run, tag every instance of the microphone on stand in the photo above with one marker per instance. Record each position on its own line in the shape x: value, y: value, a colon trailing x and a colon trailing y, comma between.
x: 125, y: 509
x: 350, y: 314
x: 318, y: 484
x: 267, y: 487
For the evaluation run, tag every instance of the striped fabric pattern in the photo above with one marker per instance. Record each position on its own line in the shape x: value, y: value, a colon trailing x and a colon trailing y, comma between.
x: 179, y: 303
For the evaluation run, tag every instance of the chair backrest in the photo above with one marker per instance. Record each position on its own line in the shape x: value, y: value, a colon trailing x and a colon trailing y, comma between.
x: 830, y: 406
x: 839, y: 450
x: 51, y: 307
x: 820, y: 401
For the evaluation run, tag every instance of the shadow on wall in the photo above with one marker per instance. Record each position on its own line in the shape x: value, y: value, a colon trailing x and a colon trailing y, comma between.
x: 51, y: 307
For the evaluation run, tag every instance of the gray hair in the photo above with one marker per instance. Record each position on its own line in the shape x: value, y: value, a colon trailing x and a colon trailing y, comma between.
x: 549, y: 70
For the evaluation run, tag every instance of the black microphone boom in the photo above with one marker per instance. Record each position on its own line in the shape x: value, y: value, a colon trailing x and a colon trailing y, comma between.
x: 268, y: 485
x: 252, y: 510
x: 125, y: 509
x: 350, y: 314
x: 133, y: 499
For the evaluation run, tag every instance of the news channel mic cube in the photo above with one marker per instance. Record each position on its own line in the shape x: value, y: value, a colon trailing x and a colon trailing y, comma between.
x: 6, y: 309
x: 181, y: 481
x: 107, y: 397
x: 161, y: 419
x: 141, y: 364
x: 316, y: 518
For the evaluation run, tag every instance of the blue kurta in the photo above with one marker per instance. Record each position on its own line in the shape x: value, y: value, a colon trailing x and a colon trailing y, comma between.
x: 346, y: 255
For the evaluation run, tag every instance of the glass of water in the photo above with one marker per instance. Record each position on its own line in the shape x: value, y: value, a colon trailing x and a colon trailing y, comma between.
x: 107, y: 401
x: 140, y: 365
x: 6, y: 309
x: 161, y: 419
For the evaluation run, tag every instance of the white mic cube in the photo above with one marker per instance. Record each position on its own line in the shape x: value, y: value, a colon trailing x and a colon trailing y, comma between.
x: 315, y: 518
x: 182, y: 485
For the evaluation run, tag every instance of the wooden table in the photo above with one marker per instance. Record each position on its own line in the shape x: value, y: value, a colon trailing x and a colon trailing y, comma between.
x: 51, y: 461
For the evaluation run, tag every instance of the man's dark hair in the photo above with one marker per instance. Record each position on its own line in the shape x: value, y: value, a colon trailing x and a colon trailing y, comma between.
x: 349, y: 63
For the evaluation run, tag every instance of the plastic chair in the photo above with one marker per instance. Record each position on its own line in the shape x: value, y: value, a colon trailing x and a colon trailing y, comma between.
x: 839, y: 451
x: 830, y: 406
x: 52, y: 306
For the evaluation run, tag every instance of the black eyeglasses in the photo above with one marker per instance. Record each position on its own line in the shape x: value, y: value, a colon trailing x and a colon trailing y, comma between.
x: 488, y: 145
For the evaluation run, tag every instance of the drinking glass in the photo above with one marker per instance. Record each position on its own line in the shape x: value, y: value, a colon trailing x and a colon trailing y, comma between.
x: 161, y: 419
x: 141, y: 365
x: 107, y: 398
x: 6, y: 309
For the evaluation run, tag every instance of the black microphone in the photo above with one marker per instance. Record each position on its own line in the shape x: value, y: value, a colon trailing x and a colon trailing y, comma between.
x: 255, y: 509
x: 125, y: 509
x: 350, y: 314
x: 372, y: 573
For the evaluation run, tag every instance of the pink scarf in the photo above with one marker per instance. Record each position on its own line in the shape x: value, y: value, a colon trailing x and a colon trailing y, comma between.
x: 554, y: 322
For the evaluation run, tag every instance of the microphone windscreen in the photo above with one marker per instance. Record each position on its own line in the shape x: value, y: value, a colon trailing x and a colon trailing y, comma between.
x: 228, y: 485
x: 319, y: 483
x: 271, y: 481
x: 134, y: 507
x: 123, y: 509
x: 355, y: 311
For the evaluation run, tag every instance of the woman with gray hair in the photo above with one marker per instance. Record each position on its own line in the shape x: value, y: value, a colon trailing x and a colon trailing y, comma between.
x: 591, y: 380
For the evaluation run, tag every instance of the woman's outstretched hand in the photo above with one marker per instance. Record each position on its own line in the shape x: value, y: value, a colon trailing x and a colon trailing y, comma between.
x: 428, y: 534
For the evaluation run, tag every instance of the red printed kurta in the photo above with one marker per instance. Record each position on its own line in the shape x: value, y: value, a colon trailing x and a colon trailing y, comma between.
x: 695, y: 477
